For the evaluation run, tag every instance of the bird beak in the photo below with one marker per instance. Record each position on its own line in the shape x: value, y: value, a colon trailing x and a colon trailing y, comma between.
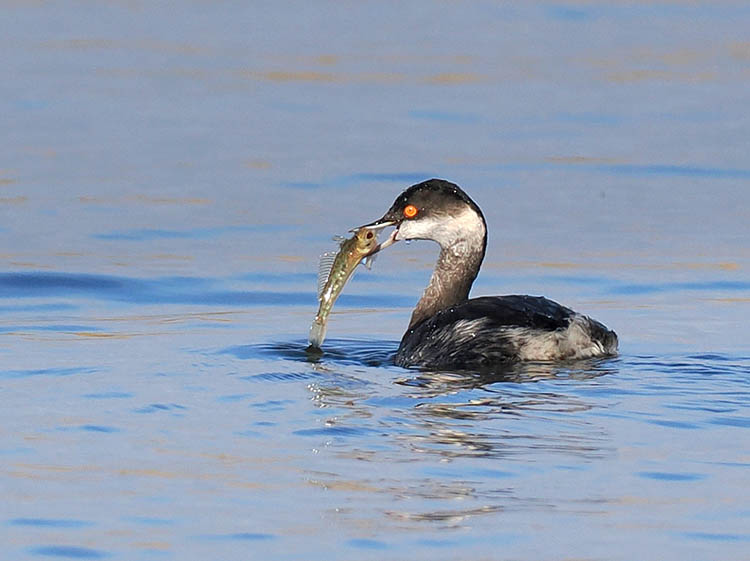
x: 377, y: 226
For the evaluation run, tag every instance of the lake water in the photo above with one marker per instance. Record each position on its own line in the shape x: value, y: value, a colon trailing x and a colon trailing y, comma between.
x: 169, y: 175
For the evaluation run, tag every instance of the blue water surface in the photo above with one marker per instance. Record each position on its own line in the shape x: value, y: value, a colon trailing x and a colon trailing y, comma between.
x: 168, y: 179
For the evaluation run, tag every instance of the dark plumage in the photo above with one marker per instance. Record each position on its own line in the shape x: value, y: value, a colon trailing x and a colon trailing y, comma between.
x: 490, y: 330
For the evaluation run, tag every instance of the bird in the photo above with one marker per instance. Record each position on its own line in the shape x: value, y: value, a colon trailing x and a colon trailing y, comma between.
x: 449, y: 330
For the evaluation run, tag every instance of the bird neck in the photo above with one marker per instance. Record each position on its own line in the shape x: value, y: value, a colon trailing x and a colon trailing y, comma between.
x: 455, y: 271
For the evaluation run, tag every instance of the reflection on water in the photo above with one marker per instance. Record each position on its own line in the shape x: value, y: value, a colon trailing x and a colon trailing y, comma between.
x: 337, y: 351
x: 512, y: 372
x: 455, y: 415
x: 169, y: 178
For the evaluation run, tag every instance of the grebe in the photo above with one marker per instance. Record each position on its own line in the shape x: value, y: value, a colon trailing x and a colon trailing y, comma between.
x: 450, y: 331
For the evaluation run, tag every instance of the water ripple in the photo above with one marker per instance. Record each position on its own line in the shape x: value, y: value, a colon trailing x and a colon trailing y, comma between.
x: 50, y: 522
x: 337, y: 351
x: 10, y: 374
x: 363, y: 543
x: 282, y: 376
x: 239, y: 536
x: 160, y: 407
x: 716, y: 537
x: 167, y: 290
x: 68, y: 551
x: 670, y: 476
x: 677, y: 170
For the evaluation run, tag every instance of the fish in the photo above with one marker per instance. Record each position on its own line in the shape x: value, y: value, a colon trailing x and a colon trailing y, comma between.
x: 335, y: 270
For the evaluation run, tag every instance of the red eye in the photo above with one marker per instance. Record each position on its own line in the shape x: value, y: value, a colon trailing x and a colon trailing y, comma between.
x: 410, y: 211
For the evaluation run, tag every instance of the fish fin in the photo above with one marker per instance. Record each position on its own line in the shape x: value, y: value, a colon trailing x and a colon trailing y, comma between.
x: 317, y: 333
x: 369, y: 260
x: 324, y: 269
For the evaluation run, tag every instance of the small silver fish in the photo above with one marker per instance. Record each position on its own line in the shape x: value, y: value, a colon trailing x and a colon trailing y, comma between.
x: 335, y: 270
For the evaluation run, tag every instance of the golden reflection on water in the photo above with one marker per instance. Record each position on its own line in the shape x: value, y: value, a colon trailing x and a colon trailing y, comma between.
x: 169, y: 257
x: 257, y: 163
x: 736, y: 300
x: 30, y: 265
x: 682, y: 64
x: 298, y: 76
x: 632, y: 76
x: 100, y: 335
x: 157, y: 545
x: 454, y: 78
x: 583, y: 160
x: 80, y: 44
x: 13, y: 200
x: 740, y: 50
x: 418, y: 59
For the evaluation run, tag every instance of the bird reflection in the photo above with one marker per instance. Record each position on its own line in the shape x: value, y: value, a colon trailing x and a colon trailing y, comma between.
x: 475, y: 430
x: 439, y: 382
x: 472, y: 414
x: 497, y: 414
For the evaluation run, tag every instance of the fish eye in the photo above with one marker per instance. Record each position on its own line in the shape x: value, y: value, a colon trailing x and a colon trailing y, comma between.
x: 369, y: 235
x: 410, y: 211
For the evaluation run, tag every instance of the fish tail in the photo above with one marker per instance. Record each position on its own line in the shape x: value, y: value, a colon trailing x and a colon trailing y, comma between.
x: 317, y: 333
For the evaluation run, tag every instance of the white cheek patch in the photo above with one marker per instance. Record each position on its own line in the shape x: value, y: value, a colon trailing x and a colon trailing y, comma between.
x: 464, y: 228
x: 424, y: 229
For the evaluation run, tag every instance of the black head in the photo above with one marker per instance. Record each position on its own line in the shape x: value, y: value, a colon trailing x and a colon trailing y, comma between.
x: 434, y: 209
x: 431, y: 197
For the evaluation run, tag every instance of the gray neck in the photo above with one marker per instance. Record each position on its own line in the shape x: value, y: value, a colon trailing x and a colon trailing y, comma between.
x: 454, y: 273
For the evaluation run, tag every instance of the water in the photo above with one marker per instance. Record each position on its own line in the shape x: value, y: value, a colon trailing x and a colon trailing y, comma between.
x: 168, y: 179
